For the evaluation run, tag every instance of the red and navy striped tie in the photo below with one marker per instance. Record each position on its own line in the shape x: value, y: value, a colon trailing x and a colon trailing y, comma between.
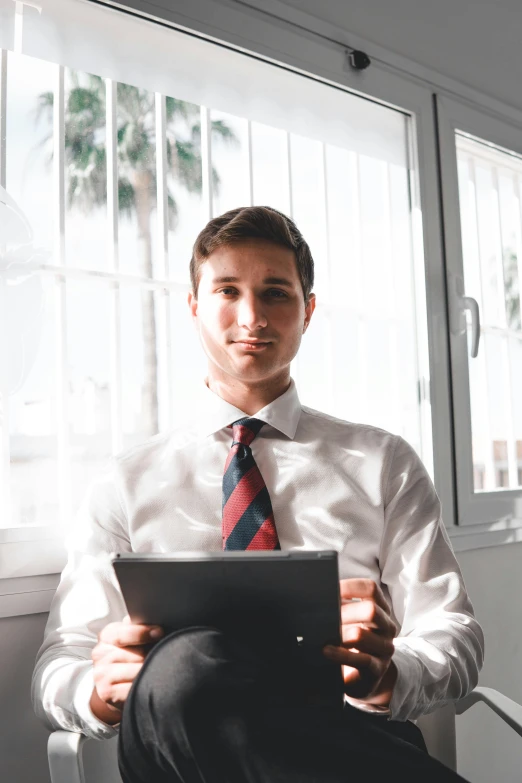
x: 248, y: 519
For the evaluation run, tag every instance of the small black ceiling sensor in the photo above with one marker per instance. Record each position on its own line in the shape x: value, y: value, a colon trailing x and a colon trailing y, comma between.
x: 359, y: 60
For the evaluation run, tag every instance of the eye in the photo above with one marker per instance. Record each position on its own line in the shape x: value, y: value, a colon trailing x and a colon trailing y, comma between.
x: 226, y: 290
x: 275, y: 293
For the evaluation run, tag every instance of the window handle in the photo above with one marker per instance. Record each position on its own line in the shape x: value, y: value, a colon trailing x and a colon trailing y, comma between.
x: 468, y: 303
x: 458, y: 306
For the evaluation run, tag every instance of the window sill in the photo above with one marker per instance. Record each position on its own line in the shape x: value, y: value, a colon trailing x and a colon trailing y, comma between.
x: 25, y: 553
x: 504, y: 531
x: 30, y: 593
x: 27, y: 594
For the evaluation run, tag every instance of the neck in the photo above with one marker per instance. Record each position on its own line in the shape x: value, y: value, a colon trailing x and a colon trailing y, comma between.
x: 246, y: 397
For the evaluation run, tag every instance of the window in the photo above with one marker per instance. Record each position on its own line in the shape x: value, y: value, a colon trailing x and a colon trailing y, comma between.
x: 487, y: 269
x: 490, y: 189
x: 116, y: 164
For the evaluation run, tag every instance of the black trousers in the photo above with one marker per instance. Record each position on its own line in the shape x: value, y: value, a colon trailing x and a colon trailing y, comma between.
x: 210, y: 708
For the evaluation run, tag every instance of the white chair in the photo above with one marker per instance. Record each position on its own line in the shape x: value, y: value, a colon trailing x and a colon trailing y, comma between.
x: 67, y: 762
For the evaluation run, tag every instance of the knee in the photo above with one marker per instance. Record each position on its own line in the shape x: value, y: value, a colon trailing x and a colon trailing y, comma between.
x: 193, y: 670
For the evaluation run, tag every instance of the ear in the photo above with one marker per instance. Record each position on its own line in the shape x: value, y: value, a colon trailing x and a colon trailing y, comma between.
x: 309, y: 308
x: 193, y: 305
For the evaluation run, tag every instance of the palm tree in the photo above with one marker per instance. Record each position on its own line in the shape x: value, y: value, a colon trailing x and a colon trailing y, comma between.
x: 85, y: 161
x: 512, y: 288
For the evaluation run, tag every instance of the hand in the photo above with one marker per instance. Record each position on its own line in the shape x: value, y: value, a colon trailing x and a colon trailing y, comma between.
x: 367, y: 642
x: 117, y: 658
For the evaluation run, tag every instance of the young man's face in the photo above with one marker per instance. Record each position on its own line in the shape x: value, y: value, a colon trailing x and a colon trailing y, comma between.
x: 250, y: 327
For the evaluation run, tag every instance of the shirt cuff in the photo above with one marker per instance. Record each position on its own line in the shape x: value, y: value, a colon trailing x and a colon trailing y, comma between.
x: 405, y: 703
x: 92, y: 726
x: 373, y: 709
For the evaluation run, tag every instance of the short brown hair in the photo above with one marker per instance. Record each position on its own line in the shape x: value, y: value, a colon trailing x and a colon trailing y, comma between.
x: 253, y: 223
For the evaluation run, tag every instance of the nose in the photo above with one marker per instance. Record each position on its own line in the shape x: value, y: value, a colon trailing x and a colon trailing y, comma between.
x: 250, y: 313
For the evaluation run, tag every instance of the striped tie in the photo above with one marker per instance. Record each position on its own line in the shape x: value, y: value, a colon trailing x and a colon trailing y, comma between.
x: 248, y: 519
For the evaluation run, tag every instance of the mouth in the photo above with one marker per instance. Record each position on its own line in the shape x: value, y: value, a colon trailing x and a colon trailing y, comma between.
x: 254, y: 346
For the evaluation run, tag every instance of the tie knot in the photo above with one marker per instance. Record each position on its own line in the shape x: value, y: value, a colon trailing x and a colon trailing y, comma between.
x: 245, y: 430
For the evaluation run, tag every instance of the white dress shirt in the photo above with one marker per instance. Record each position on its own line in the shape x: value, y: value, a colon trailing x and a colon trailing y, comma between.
x: 333, y: 485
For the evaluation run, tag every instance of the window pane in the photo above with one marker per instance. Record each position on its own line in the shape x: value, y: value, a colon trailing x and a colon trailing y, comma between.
x: 509, y: 198
x: 515, y: 363
x: 132, y: 365
x: 343, y: 228
x: 88, y: 373
x: 314, y: 362
x: 136, y: 179
x: 30, y: 370
x: 184, y: 182
x: 308, y: 208
x: 29, y: 141
x: 188, y: 360
x: 491, y: 224
x: 140, y: 358
x: 498, y: 404
x: 33, y: 410
x: 230, y: 162
x: 371, y: 276
x: 270, y: 167
x: 489, y: 241
x: 85, y: 171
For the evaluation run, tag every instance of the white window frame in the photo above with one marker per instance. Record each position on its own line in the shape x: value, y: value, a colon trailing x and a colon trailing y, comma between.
x: 495, y: 510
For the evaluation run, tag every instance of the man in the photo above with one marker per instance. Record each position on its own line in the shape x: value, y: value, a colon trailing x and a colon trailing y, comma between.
x: 255, y: 469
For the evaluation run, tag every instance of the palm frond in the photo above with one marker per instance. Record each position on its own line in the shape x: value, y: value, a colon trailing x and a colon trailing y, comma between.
x: 216, y: 181
x: 44, y: 106
x: 126, y: 197
x: 87, y: 184
x: 172, y: 212
x: 512, y: 289
x: 135, y: 147
x: 85, y: 148
x: 180, y: 109
x: 220, y: 130
x: 188, y: 159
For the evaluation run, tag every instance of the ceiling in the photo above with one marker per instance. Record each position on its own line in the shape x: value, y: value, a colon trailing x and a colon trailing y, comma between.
x: 476, y: 42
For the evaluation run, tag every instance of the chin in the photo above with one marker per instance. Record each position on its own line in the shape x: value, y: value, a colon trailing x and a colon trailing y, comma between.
x: 251, y: 370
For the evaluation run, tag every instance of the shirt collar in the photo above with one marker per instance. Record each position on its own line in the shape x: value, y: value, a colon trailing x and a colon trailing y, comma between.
x: 216, y: 413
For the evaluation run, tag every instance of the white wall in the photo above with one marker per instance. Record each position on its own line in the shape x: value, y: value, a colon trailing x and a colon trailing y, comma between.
x: 487, y: 749
x: 476, y: 43
x: 22, y: 737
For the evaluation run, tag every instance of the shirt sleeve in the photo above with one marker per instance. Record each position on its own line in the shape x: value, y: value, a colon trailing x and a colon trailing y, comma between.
x: 440, y: 646
x: 88, y: 597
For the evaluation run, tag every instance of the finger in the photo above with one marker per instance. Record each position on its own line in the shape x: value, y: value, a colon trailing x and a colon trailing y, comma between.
x: 370, y: 614
x: 363, y: 589
x: 367, y: 641
x: 116, y: 696
x: 351, y: 675
x: 113, y: 654
x: 358, y: 684
x: 116, y: 673
x: 130, y: 634
x: 359, y: 661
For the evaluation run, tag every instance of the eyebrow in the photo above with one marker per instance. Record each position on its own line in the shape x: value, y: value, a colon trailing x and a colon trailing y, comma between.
x: 266, y: 281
